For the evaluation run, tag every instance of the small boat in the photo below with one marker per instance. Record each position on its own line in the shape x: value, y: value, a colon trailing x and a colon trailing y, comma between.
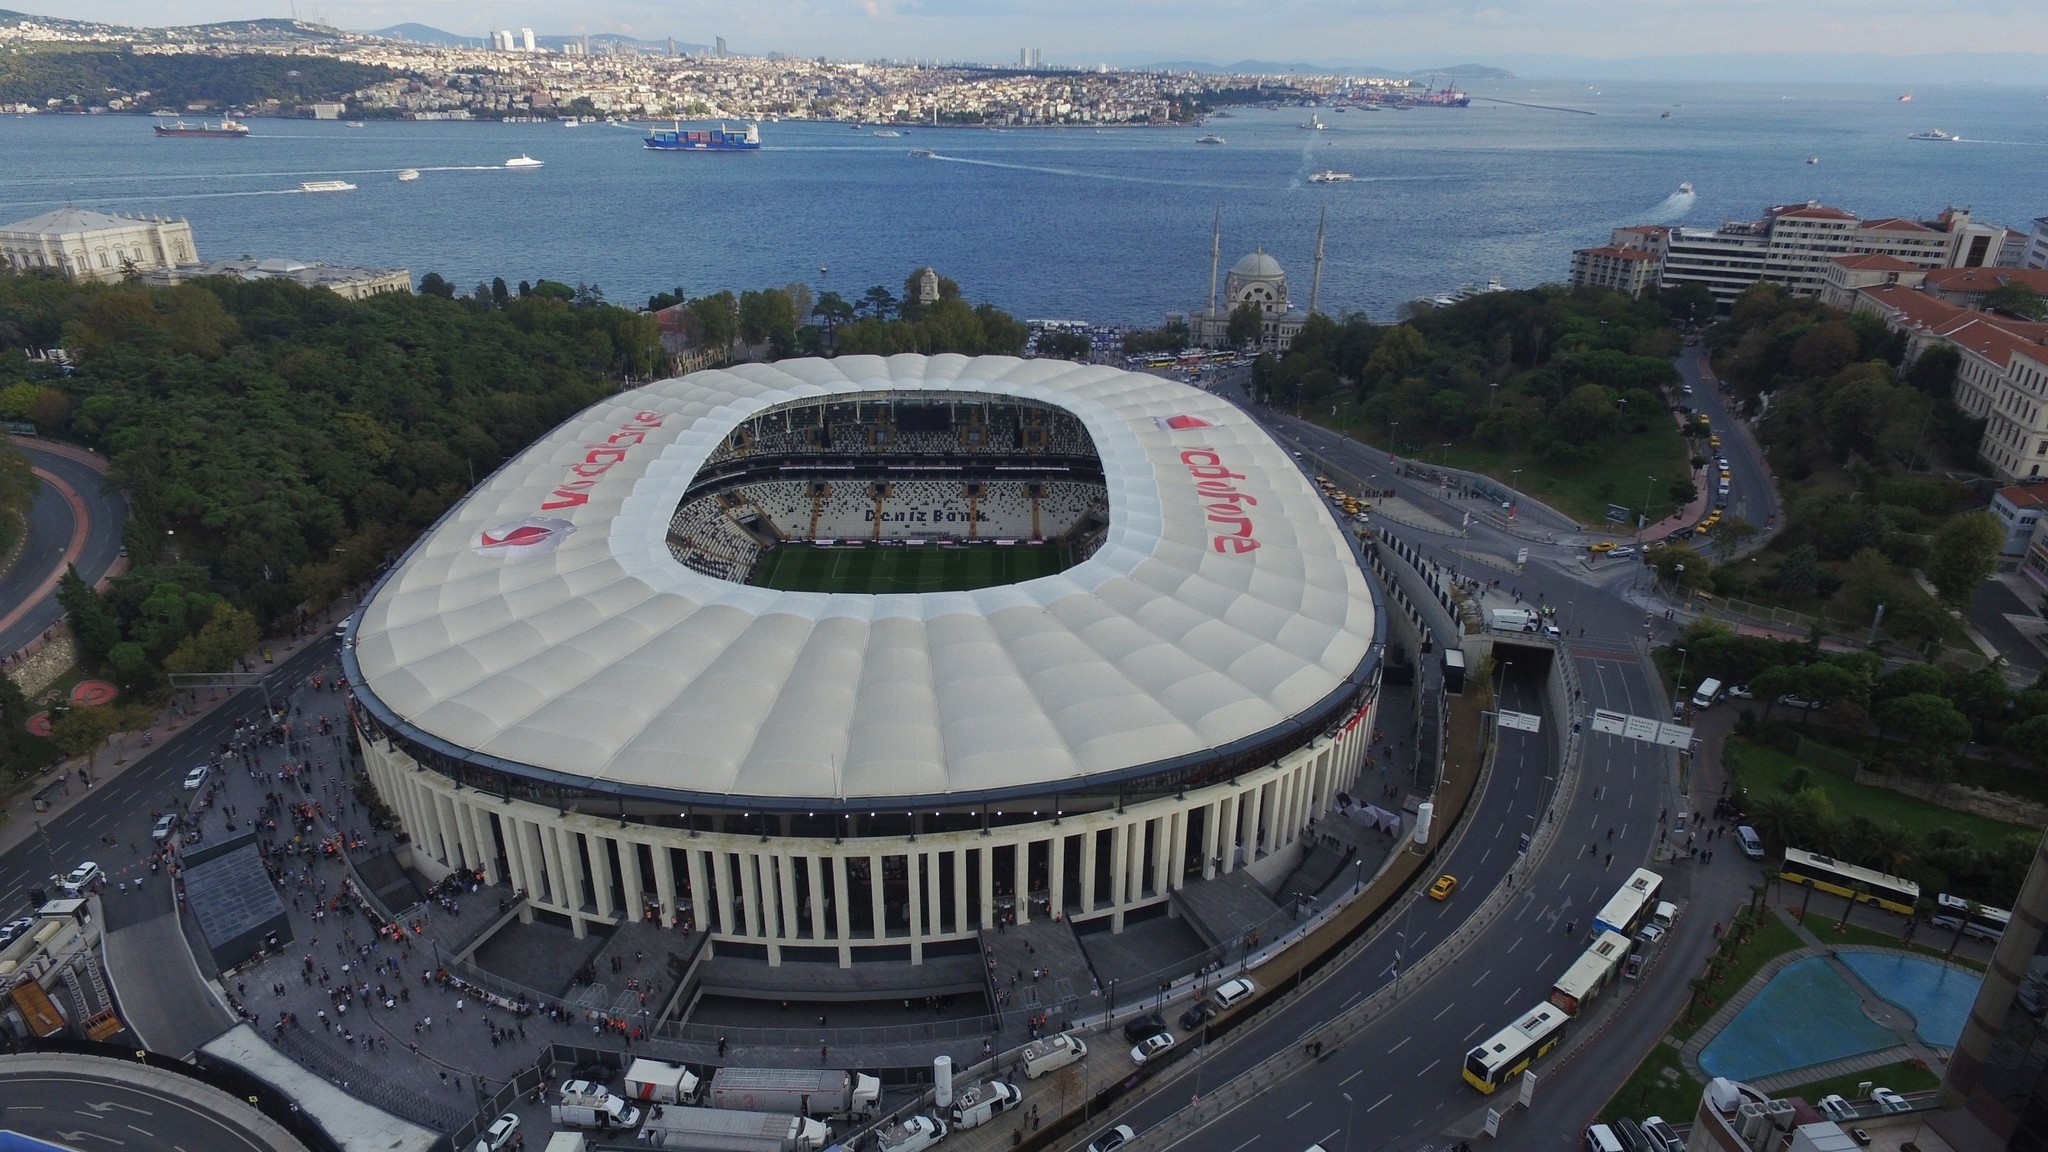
x: 1813, y: 159
x: 1685, y: 188
x: 522, y: 161
x: 923, y: 153
x: 1665, y: 115
x: 326, y: 186
x: 1314, y: 123
x: 1331, y: 177
x: 887, y: 133
x: 1211, y: 138
x: 407, y: 175
x: 1933, y: 134
x: 569, y: 123
x: 1907, y: 98
x: 355, y: 123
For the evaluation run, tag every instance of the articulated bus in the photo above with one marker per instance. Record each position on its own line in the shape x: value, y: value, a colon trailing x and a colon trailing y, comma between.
x: 1892, y: 893
x: 1593, y: 971
x: 1631, y: 905
x: 1515, y: 1047
x: 1985, y: 923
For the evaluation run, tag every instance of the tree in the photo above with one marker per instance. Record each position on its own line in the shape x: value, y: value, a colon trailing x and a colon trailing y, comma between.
x: 878, y: 302
x: 1247, y: 324
x: 834, y: 310
x: 1064, y: 345
x: 1732, y: 533
x: 1858, y: 891
x: 717, y: 320
x: 227, y: 634
x: 432, y: 284
x: 1965, y: 553
x: 81, y: 731
x: 2019, y: 299
x: 1399, y: 354
x: 1969, y: 912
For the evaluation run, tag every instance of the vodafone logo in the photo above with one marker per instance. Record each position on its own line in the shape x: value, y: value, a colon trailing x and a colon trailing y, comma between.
x: 1181, y: 423
x: 533, y: 536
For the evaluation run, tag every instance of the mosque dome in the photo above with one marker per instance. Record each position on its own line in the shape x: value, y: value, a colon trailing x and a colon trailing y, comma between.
x: 1256, y: 265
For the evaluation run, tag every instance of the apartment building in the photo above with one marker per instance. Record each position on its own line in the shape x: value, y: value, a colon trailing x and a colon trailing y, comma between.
x: 1630, y: 270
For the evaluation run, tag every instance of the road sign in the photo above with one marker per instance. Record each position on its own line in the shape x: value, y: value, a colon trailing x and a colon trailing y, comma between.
x: 1528, y: 1088
x: 1493, y: 1121
x: 1674, y: 736
x: 1521, y: 721
x: 1641, y: 728
x: 1614, y: 723
x: 1617, y: 512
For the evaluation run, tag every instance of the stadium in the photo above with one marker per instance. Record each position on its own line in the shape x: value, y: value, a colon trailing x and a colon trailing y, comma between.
x: 835, y: 659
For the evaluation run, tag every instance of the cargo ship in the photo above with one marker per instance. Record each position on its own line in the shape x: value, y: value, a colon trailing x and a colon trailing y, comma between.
x: 224, y: 130
x: 719, y: 139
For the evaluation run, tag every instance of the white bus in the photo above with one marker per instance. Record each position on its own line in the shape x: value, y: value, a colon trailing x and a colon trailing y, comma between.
x: 1985, y: 922
x: 1631, y: 905
x: 1593, y: 970
x: 1510, y: 1052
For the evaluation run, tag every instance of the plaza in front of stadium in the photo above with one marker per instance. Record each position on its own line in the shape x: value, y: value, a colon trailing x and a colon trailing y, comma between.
x: 825, y: 676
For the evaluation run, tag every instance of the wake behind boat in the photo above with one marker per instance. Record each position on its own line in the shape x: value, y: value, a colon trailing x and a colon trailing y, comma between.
x: 1329, y: 176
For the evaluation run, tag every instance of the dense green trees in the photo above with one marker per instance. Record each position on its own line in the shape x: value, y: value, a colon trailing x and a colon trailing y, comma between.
x: 18, y: 487
x: 174, y: 80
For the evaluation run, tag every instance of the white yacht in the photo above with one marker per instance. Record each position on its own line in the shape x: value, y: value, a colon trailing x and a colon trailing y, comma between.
x: 522, y: 161
x: 1331, y: 177
x: 408, y: 175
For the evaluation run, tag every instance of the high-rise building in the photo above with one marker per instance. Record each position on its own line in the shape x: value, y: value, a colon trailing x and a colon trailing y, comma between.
x: 1023, y: 57
x: 2037, y: 245
x: 721, y: 45
x: 526, y: 39
x: 502, y: 39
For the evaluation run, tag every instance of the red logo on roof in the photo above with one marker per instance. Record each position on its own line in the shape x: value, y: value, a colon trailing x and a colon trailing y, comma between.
x: 533, y: 536
x: 1183, y: 422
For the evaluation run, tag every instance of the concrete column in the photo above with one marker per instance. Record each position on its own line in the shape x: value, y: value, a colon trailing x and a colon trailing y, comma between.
x: 1162, y: 853
x: 598, y: 850
x: 635, y: 894
x: 750, y: 893
x: 959, y: 856
x: 1248, y: 825
x: 1119, y: 863
x: 792, y: 913
x: 1177, y: 852
x: 1222, y: 837
x: 487, y: 841
x: 551, y: 852
x: 521, y: 835
x: 1020, y: 868
x: 721, y: 866
x: 813, y: 872
x: 1134, y: 861
x: 574, y: 864
x: 914, y: 870
x: 841, y: 931
x: 875, y: 897
x: 663, y: 858
x: 465, y: 836
x: 934, y: 891
x: 1088, y: 840
x: 703, y: 909
x: 1057, y: 874
x: 987, y: 868
x: 515, y: 852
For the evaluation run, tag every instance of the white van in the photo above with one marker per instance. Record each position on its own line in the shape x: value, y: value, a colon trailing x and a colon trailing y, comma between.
x: 1665, y: 913
x: 1233, y: 992
x: 1042, y: 1056
x: 1601, y: 1138
x: 1752, y: 844
x: 1708, y: 692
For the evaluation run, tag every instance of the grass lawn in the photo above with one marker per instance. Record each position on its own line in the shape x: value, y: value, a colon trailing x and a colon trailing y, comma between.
x: 1772, y: 938
x: 1617, y: 477
x: 924, y: 568
x: 1764, y: 770
x: 1660, y: 1086
x: 1905, y: 1076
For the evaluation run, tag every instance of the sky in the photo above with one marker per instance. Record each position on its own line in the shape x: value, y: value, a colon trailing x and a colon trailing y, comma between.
x: 1403, y: 33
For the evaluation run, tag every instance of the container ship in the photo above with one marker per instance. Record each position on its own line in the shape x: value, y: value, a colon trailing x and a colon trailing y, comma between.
x: 719, y: 139
x: 225, y: 130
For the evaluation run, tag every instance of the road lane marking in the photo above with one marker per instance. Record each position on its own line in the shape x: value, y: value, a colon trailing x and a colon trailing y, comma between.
x: 1246, y: 1144
x: 1350, y: 1078
x: 1476, y: 1028
x: 1425, y: 1070
x: 1381, y: 1100
x: 1518, y: 941
x: 1397, y: 1047
x: 1482, y: 978
x: 1300, y: 1110
x: 1445, y: 1008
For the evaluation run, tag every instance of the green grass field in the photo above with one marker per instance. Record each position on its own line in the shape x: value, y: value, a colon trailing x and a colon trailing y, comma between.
x: 921, y: 568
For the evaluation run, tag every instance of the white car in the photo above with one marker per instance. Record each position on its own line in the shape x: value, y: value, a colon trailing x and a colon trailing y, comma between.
x: 80, y: 878
x: 197, y: 776
x: 1651, y: 934
x: 1835, y: 1108
x: 1738, y: 691
x: 1889, y: 1101
x: 499, y: 1135
x: 165, y: 825
x: 1232, y: 992
x: 1113, y: 1139
x: 1151, y: 1046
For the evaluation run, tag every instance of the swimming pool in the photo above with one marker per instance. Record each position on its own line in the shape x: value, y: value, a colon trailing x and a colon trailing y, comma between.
x: 1938, y: 996
x: 1808, y: 1014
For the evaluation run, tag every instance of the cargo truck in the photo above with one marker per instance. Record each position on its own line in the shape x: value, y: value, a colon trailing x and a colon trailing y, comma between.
x: 724, y: 1130
x: 806, y: 1092
x: 659, y: 1082
x: 1512, y: 619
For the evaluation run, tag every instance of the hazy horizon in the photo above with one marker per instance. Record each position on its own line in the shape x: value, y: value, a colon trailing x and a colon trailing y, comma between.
x: 1541, y: 34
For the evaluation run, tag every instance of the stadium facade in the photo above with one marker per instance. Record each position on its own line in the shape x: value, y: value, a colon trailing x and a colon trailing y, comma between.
x: 569, y: 683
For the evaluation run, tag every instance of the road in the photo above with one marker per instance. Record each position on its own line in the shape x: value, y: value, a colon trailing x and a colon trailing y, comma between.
x: 120, y: 807
x: 1396, y: 1085
x: 68, y: 1105
x: 75, y: 520
x: 1750, y: 495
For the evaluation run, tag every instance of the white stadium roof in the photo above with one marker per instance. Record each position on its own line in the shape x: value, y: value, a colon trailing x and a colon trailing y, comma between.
x: 544, y: 628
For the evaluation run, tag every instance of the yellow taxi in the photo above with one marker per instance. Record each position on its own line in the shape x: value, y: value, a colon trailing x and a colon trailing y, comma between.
x: 1600, y: 546
x: 1444, y: 886
x: 1714, y: 440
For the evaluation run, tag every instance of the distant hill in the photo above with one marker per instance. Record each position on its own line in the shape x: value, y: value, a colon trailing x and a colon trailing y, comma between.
x: 598, y: 41
x: 423, y: 34
x: 229, y: 33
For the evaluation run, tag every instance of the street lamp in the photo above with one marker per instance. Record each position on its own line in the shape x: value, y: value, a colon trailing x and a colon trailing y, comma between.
x: 1643, y: 517
x: 1679, y: 683
x: 1349, y: 1106
x: 1393, y: 440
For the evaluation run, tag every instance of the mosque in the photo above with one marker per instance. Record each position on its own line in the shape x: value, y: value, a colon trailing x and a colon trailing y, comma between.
x: 1257, y: 279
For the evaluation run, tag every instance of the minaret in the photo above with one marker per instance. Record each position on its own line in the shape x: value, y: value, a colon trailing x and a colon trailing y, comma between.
x: 1315, y: 283
x: 1215, y: 254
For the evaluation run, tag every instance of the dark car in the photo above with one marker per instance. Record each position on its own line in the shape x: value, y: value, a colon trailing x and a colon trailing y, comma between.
x: 1144, y: 1026
x: 1197, y: 1015
x: 595, y: 1071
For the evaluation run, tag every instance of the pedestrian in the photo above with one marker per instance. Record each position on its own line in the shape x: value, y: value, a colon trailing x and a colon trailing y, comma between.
x: 824, y: 1053
x: 721, y: 1047
x: 1569, y: 925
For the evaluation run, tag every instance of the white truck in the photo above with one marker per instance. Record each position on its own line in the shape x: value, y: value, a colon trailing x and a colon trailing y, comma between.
x: 984, y: 1102
x: 1512, y: 619
x: 585, y: 1105
x: 804, y: 1091
x: 1051, y: 1053
x: 723, y: 1130
x: 659, y: 1082
x: 913, y: 1135
x: 1708, y: 692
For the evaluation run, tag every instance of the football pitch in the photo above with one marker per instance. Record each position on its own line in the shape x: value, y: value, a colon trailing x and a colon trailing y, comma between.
x: 920, y: 568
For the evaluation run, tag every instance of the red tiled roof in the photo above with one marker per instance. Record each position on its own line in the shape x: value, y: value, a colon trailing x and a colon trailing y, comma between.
x: 1876, y: 261
x: 1615, y: 253
x: 1896, y: 224
x: 2025, y: 495
x: 1992, y: 337
x: 1986, y: 279
x: 1810, y: 212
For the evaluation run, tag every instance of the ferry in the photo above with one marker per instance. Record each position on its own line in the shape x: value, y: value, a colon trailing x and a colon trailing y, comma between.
x: 719, y: 139
x: 407, y: 175
x: 522, y: 161
x: 923, y: 153
x: 1211, y: 138
x: 1935, y: 134
x: 326, y: 186
x: 1685, y: 187
x: 224, y: 130
x: 355, y: 123
x: 1330, y: 177
x: 889, y: 133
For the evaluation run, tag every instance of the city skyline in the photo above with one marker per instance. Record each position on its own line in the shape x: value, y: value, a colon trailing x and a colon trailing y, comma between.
x: 1388, y: 33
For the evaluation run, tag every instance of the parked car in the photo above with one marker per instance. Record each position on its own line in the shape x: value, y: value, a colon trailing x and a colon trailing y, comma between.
x: 499, y: 1135
x: 1151, y: 1046
x: 1444, y: 886
x: 1791, y: 701
x: 1632, y: 969
x: 197, y: 776
x: 1231, y: 992
x: 165, y: 825
x: 1835, y: 1108
x: 14, y: 928
x: 1650, y: 935
x: 595, y: 1071
x: 1889, y: 1101
x: 1661, y: 1136
x: 1144, y: 1026
x: 1738, y: 692
x: 1198, y: 1014
x: 80, y: 878
x: 1599, y: 546
x: 1120, y: 1135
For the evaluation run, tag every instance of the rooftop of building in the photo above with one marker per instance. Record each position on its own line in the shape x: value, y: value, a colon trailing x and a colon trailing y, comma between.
x: 1811, y: 210
x: 2023, y: 496
x: 68, y: 221
x: 315, y: 274
x: 1617, y: 253
x: 1985, y: 279
x: 1995, y: 338
x: 1896, y: 224
x: 1876, y: 262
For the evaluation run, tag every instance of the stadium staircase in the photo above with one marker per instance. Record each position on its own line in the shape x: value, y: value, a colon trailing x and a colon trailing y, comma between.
x: 388, y: 881
x: 1318, y: 867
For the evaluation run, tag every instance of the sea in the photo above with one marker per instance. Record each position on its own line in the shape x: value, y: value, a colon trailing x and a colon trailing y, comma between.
x: 1108, y: 225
